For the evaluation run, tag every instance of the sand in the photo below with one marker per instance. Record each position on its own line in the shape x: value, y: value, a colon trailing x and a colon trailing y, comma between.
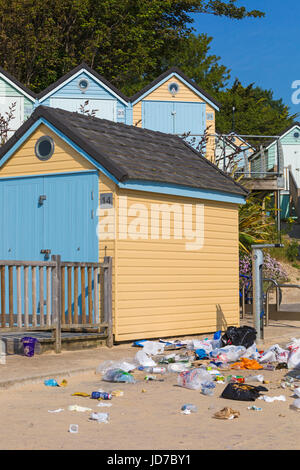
x: 148, y: 416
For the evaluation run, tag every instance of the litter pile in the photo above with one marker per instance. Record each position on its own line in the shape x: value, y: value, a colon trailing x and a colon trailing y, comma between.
x: 201, y: 365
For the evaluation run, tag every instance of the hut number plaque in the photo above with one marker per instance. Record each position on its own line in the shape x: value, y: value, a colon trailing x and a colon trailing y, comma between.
x: 106, y: 201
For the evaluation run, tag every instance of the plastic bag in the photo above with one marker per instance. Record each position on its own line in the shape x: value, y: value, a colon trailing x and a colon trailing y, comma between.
x: 228, y: 353
x: 126, y: 364
x: 143, y: 359
x: 274, y: 354
x: 242, y: 392
x: 193, y: 379
x: 153, y: 347
x: 242, y: 336
x: 118, y: 375
x: 293, y: 360
x: 251, y: 352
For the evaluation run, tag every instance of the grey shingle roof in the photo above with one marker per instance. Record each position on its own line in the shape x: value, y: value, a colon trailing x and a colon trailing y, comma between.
x: 132, y: 153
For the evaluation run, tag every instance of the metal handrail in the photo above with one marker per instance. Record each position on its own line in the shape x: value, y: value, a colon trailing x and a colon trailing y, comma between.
x: 278, y: 287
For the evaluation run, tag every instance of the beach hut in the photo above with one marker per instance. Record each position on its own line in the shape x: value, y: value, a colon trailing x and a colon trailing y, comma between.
x: 85, y: 188
x: 175, y: 104
x: 84, y: 85
x: 13, y: 93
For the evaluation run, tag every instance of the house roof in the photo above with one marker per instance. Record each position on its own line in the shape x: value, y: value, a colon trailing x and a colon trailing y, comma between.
x: 270, y: 142
x: 18, y: 84
x: 84, y: 67
x: 170, y: 72
x: 131, y: 153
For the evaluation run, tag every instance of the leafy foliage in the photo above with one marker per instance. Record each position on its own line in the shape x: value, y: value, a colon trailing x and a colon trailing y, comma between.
x: 272, y: 269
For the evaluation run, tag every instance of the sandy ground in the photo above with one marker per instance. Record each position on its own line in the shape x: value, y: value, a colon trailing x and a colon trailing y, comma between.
x: 148, y: 416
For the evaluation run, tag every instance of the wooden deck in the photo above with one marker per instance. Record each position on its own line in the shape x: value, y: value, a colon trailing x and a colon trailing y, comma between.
x: 70, y: 340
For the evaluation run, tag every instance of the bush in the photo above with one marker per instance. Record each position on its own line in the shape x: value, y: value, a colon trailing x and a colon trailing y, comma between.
x: 272, y: 269
x: 292, y: 251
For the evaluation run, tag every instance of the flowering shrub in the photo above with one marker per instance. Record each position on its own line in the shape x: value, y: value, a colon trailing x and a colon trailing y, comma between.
x: 272, y: 269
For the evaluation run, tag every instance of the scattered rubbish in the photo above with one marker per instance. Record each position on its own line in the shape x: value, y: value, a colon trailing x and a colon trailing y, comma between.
x: 99, y: 417
x: 297, y: 392
x: 271, y: 399
x: 239, y: 336
x: 2, y: 352
x: 143, y: 359
x: 193, y: 379
x: 226, y: 413
x: 281, y: 365
x: 255, y: 378
x: 274, y: 354
x: 242, y: 392
x: 78, y: 408
x: 153, y: 347
x: 63, y: 383
x: 81, y: 394
x: 246, y: 363
x: 201, y: 353
x: 144, y: 390
x: 207, y: 388
x: 228, y: 353
x: 118, y: 375
x: 117, y: 393
x: 268, y: 367
x: 296, y: 404
x: 73, y: 428
x: 236, y: 379
x: 51, y: 383
x: 104, y: 404
x: 154, y: 370
x: 255, y: 408
x: 127, y: 365
x: 293, y: 361
x: 179, y: 367
x: 101, y: 395
x: 190, y: 408
x: 56, y: 411
x: 153, y: 377
x: 30, y: 345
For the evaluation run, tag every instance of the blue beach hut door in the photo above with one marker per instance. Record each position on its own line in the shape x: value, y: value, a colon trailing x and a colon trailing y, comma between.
x: 46, y: 215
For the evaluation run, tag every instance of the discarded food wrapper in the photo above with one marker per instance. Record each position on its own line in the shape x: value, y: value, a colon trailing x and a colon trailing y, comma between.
x: 51, y: 383
x: 81, y: 394
x: 63, y: 383
x: 226, y: 413
x: 81, y: 409
x: 117, y: 393
x: 99, y: 417
x: 101, y: 404
x: 56, y: 411
x: 255, y: 408
x: 189, y: 408
x: 143, y: 359
x: 271, y: 399
x: 73, y: 428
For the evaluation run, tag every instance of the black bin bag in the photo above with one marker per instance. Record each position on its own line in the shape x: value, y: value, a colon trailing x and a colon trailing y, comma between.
x: 242, y: 392
x: 242, y: 336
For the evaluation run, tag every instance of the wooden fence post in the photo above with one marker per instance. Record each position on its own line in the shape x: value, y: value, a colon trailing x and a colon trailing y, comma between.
x: 56, y: 295
x: 107, y: 301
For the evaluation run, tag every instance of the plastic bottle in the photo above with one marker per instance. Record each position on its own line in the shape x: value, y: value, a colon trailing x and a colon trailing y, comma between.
x: 101, y: 395
x: 207, y: 388
x: 189, y: 407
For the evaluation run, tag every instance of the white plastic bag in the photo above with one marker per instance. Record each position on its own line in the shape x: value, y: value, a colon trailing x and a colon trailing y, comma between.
x: 143, y: 359
x: 228, y: 353
x: 153, y: 347
x: 193, y: 379
x: 293, y: 360
x: 251, y: 352
x: 126, y: 364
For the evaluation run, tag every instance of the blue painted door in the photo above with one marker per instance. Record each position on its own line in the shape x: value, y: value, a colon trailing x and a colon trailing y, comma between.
x: 63, y: 221
x: 175, y: 118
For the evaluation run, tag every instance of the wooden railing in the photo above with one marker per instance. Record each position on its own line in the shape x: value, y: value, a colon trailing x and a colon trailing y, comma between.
x: 56, y: 296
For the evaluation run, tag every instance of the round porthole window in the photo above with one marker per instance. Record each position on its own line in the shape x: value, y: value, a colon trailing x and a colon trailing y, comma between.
x: 44, y: 147
x: 296, y: 135
x: 83, y: 84
x: 173, y: 88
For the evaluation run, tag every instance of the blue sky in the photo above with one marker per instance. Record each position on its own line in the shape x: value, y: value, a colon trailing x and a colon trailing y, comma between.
x: 264, y: 51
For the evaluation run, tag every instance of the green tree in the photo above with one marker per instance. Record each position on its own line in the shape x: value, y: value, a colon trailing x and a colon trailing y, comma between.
x: 256, y: 111
x: 127, y: 41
